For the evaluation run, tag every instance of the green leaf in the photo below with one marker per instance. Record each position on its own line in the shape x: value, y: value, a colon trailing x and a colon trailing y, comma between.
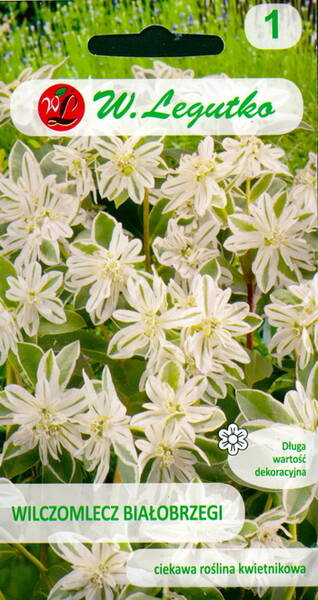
x: 61, y: 91
x: 258, y: 368
x: 124, y: 453
x: 126, y: 376
x: 103, y: 227
x: 212, y: 473
x: 131, y: 592
x: 127, y: 473
x: 92, y: 345
x: 312, y: 386
x: 304, y: 374
x: 284, y: 268
x: 66, y: 361
x: 29, y: 357
x: 73, y: 322
x: 211, y: 449
x: 15, y: 159
x: 172, y: 373
x: 211, y: 268
x: 158, y: 220
x: 279, y: 204
x: 66, y: 470
x: 210, y: 593
x: 123, y: 196
x: 86, y: 247
x: 261, y: 186
x: 284, y: 382
x: 296, y: 501
x: 241, y: 224
x: 6, y: 270
x: 81, y: 298
x: 249, y: 528
x: 313, y: 515
x: 48, y: 252
x: 259, y: 405
x: 254, y: 321
x: 19, y: 464
x: 18, y: 576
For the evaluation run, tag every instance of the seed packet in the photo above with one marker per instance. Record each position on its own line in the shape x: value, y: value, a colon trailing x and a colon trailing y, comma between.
x: 158, y: 300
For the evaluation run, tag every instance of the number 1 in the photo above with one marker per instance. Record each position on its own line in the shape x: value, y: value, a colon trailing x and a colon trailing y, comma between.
x: 273, y: 16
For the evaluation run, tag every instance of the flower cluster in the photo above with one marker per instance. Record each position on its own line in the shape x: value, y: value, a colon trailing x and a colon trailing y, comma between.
x: 151, y: 294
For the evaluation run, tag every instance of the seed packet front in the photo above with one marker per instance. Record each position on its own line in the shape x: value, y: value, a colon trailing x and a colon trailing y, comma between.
x: 158, y: 301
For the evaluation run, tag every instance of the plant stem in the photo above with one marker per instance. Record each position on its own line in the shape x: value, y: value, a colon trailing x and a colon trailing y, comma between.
x: 246, y: 264
x: 30, y: 557
x: 249, y: 276
x: 44, y: 561
x: 268, y: 503
x: 9, y: 374
x: 293, y: 531
x: 291, y: 593
x: 146, y: 231
x: 250, y: 300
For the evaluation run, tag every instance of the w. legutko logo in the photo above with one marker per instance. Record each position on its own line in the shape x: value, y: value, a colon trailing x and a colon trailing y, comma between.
x: 61, y: 107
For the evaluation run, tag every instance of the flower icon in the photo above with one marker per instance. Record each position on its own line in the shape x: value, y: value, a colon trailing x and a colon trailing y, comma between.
x: 233, y: 439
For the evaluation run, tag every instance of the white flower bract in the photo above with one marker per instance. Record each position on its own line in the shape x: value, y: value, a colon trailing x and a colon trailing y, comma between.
x: 97, y: 572
x: 36, y: 296
x: 130, y: 168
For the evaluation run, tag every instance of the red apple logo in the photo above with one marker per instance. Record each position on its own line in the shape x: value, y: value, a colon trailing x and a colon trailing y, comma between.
x: 61, y: 107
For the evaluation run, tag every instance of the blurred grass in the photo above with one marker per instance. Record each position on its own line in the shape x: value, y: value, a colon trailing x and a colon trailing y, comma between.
x: 45, y: 32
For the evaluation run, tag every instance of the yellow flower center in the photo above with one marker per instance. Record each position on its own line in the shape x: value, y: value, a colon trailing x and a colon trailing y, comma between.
x: 126, y: 163
x: 46, y: 423
x: 152, y: 322
x: 165, y: 454
x: 100, y: 425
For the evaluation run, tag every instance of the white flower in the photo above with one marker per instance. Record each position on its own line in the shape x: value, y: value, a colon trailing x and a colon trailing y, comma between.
x: 77, y: 165
x: 217, y: 376
x: 36, y: 296
x: 27, y: 74
x: 268, y: 525
x: 103, y: 264
x: 97, y: 572
x: 131, y: 167
x: 196, y: 179
x: 302, y: 405
x: 302, y: 408
x: 161, y: 71
x: 107, y: 425
x: 250, y: 157
x: 233, y: 439
x: 9, y: 333
x: 213, y: 335
x: 45, y: 419
x: 39, y: 210
x: 295, y: 315
x: 304, y: 189
x: 187, y: 249
x: 277, y: 233
x: 172, y: 453
x: 178, y: 403
x: 150, y: 319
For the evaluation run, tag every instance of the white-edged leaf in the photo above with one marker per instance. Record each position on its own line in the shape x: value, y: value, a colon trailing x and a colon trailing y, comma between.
x: 29, y: 358
x: 103, y: 228
x: 255, y: 404
x: 66, y: 361
x: 296, y: 501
